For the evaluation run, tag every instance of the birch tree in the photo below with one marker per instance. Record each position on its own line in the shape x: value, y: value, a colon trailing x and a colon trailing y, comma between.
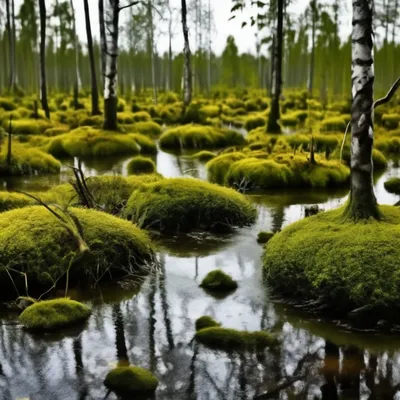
x: 187, y: 73
x: 77, y: 83
x: 43, y: 81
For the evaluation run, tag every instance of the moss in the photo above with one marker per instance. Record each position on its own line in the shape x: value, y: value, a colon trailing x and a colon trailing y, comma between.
x: 209, y: 111
x: 7, y: 104
x: 146, y: 144
x: 218, y: 167
x: 141, y: 165
x: 198, y: 136
x: 234, y: 340
x: 254, y: 122
x: 206, y: 322
x: 34, y: 242
x: 289, y: 120
x: 9, y: 201
x: 391, y: 121
x: 203, y: 156
x: 393, y: 185
x: 141, y: 116
x: 58, y: 130
x: 181, y: 204
x: 388, y: 144
x: 218, y: 280
x: 334, y: 124
x: 54, y: 314
x: 148, y: 128
x: 131, y: 381
x: 234, y: 103
x: 264, y: 237
x: 28, y: 126
x: 346, y: 264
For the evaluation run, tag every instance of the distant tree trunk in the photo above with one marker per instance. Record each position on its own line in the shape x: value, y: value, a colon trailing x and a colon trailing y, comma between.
x: 209, y: 48
x: 169, y: 71
x: 362, y: 203
x: 43, y: 84
x: 95, y: 93
x: 274, y: 115
x: 152, y: 55
x: 272, y: 72
x: 14, y: 79
x: 77, y: 83
x: 103, y: 42
x: 110, y: 74
x: 10, y: 27
x: 187, y: 80
x: 312, y: 56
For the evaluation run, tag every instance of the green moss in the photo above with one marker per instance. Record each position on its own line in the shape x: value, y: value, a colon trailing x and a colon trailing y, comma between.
x: 198, y: 136
x: 206, y: 322
x: 146, y: 144
x: 181, y: 204
x: 141, y: 116
x: 253, y: 122
x: 58, y: 130
x: 7, y: 104
x: 346, y: 264
x: 234, y: 340
x: 264, y: 237
x: 131, y: 381
x: 391, y: 121
x: 32, y: 241
x: 218, y: 167
x: 203, y: 156
x: 209, y: 111
x: 141, y: 165
x: 54, y: 314
x: 148, y: 128
x: 334, y: 124
x: 393, y: 185
x: 10, y: 200
x: 218, y: 280
x: 28, y: 126
x: 234, y: 103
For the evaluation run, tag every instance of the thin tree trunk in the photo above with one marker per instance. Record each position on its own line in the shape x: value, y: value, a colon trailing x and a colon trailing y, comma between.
x: 95, y: 93
x: 10, y: 46
x: 103, y: 42
x: 152, y: 55
x: 14, y: 78
x: 187, y: 80
x: 169, y: 72
x: 362, y: 204
x: 78, y: 83
x: 43, y: 84
x: 274, y: 115
x: 209, y: 48
x: 110, y: 74
x: 272, y: 77
x: 312, y: 56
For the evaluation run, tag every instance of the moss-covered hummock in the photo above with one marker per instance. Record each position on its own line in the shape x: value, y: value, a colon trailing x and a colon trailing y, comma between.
x: 54, y: 314
x: 141, y: 165
x: 393, y: 185
x: 233, y: 340
x: 206, y: 322
x: 203, y: 156
x: 218, y: 280
x: 186, y: 204
x: 264, y: 237
x: 131, y: 381
x: 346, y: 265
x: 10, y: 200
x: 34, y: 242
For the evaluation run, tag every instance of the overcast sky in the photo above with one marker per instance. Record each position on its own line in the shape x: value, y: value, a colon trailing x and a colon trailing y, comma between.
x: 245, y: 38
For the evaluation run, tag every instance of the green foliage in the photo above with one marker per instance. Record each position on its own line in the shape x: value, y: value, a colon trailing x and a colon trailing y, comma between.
x: 346, y: 264
x: 233, y: 340
x: 391, y: 121
x: 254, y: 121
x: 188, y: 204
x: 197, y: 136
x: 206, y: 322
x: 393, y: 185
x: 264, y: 237
x: 141, y: 165
x: 54, y: 314
x: 131, y: 381
x: 218, y: 280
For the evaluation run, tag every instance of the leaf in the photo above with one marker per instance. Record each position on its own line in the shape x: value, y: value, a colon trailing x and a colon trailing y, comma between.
x: 238, y: 6
x: 244, y: 24
x: 233, y: 17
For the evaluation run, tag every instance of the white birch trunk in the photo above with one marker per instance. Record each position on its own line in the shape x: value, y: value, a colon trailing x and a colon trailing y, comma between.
x: 187, y: 75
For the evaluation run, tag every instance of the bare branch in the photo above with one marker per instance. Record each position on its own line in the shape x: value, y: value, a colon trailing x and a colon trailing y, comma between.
x: 134, y: 3
x: 389, y: 94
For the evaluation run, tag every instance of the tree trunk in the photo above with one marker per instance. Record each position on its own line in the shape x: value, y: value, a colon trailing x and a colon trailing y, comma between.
x: 95, y: 93
x: 78, y: 83
x: 152, y: 55
x: 274, y: 115
x: 209, y: 49
x: 43, y: 84
x: 103, y: 42
x: 187, y: 80
x: 362, y: 203
x: 110, y: 74
x: 10, y: 26
x: 312, y: 56
x: 272, y: 72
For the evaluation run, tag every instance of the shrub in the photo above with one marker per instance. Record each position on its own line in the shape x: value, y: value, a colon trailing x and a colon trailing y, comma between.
x: 391, y: 121
x: 254, y: 122
x: 130, y: 381
x: 218, y: 280
x: 188, y: 204
x: 393, y: 185
x: 264, y: 237
x: 203, y: 156
x: 34, y: 242
x: 141, y: 165
x: 54, y: 314
x: 197, y: 136
x: 346, y: 264
x: 206, y: 322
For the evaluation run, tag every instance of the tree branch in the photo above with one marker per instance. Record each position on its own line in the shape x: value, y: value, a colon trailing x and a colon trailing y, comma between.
x: 389, y: 94
x: 134, y: 3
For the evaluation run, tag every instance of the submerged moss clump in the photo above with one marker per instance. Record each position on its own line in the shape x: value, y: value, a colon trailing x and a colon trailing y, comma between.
x: 348, y: 265
x: 219, y: 281
x: 54, y: 314
x: 232, y: 339
x: 186, y: 204
x: 141, y: 165
x: 393, y: 185
x: 206, y: 322
x: 131, y: 380
x: 264, y: 237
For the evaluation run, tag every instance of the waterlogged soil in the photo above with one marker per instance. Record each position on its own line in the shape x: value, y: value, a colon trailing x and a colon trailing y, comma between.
x: 152, y: 324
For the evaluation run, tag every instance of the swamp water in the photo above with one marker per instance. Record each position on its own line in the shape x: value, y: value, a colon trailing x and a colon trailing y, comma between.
x: 153, y: 326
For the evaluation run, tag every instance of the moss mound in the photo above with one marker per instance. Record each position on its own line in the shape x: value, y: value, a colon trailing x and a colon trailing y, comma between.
x: 10, y: 200
x: 148, y: 128
x: 264, y: 237
x: 393, y: 185
x: 34, y: 242
x: 232, y: 339
x: 347, y: 265
x: 141, y: 165
x: 206, y: 322
x: 198, y: 137
x: 131, y: 380
x: 53, y: 314
x: 146, y: 144
x: 218, y: 280
x: 185, y: 204
x: 203, y: 156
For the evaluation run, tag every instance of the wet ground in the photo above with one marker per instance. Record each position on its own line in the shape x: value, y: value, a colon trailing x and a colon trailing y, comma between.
x: 153, y: 326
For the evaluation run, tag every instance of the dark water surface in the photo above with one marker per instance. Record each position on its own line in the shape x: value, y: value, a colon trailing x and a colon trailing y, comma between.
x: 153, y: 326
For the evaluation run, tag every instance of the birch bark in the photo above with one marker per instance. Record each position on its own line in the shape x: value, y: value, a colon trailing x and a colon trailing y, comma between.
x: 187, y: 75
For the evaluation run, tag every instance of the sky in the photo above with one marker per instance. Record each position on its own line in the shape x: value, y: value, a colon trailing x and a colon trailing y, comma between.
x: 245, y: 38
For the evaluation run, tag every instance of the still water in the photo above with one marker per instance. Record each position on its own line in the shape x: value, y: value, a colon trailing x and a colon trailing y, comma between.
x: 152, y: 326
